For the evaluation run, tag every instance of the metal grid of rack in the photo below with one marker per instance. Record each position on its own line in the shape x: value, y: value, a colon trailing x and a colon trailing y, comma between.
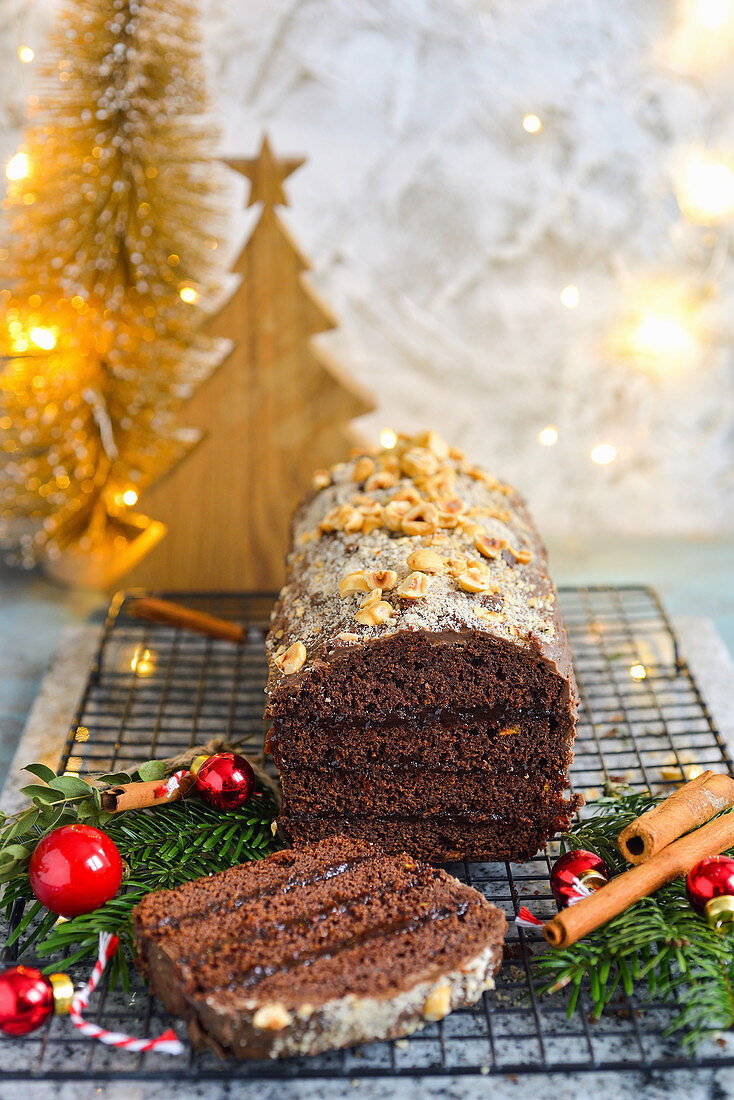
x: 155, y: 691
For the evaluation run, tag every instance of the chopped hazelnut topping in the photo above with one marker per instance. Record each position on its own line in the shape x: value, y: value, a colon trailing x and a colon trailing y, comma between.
x: 438, y: 1004
x: 370, y: 507
x: 272, y: 1017
x: 389, y: 463
x: 345, y: 636
x: 374, y: 614
x: 491, y: 616
x: 384, y: 579
x: 321, y: 479
x: 425, y: 560
x: 363, y: 468
x: 383, y: 479
x: 432, y: 442
x: 371, y: 523
x: 409, y: 493
x: 470, y: 529
x: 394, y: 512
x: 442, y: 484
x: 488, y: 546
x: 418, y: 462
x: 523, y: 556
x: 293, y: 659
x: 456, y: 566
x: 472, y: 582
x: 476, y: 578
x: 329, y: 522
x: 422, y: 519
x: 349, y: 519
x: 373, y: 596
x: 354, y: 582
x: 415, y: 586
x: 447, y: 520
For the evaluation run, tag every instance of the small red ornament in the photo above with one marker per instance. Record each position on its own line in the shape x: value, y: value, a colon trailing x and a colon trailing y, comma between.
x: 75, y: 869
x: 577, y: 874
x: 28, y: 997
x: 224, y: 780
x: 710, y: 889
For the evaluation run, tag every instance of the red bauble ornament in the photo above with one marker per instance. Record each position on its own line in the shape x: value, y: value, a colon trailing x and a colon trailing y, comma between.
x: 577, y: 874
x: 75, y: 869
x: 710, y: 889
x: 224, y: 780
x: 27, y: 998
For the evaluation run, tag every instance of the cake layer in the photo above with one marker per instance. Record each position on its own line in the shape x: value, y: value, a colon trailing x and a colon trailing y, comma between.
x: 383, y: 789
x: 323, y: 947
x: 442, y: 838
x: 516, y: 744
x: 412, y: 672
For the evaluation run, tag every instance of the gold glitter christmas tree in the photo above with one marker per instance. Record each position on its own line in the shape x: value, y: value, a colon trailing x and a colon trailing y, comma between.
x: 115, y: 211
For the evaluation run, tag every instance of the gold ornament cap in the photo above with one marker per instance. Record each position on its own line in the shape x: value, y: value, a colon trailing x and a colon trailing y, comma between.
x: 720, y: 913
x: 592, y: 880
x: 63, y: 988
x: 197, y: 762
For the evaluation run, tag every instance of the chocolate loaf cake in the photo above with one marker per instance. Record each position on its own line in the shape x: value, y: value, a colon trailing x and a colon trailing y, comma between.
x: 420, y: 693
x: 323, y: 947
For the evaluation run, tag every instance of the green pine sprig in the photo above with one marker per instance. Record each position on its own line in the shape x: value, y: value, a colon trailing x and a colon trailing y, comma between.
x: 657, y: 948
x: 163, y: 847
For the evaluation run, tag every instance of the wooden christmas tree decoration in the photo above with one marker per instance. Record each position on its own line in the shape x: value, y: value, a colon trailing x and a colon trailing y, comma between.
x: 274, y: 412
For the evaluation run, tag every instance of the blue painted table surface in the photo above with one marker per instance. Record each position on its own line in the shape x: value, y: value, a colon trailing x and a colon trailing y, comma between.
x: 693, y: 576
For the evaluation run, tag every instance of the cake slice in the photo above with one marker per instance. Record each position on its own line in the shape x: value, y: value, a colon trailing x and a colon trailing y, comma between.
x: 322, y: 947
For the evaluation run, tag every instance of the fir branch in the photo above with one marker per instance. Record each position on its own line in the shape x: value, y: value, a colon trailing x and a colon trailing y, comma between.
x: 164, y: 847
x: 659, y: 947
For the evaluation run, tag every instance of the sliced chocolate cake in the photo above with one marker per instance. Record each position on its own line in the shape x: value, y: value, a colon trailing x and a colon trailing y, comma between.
x: 421, y: 693
x: 323, y: 947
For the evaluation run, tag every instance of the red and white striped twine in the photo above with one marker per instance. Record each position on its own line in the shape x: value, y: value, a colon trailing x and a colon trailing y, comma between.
x: 172, y: 784
x: 526, y: 919
x: 166, y: 1042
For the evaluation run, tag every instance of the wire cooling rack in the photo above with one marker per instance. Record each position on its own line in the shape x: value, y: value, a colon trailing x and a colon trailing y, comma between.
x: 154, y: 691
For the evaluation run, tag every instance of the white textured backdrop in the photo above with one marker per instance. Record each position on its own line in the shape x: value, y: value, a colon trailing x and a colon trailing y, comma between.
x: 443, y: 234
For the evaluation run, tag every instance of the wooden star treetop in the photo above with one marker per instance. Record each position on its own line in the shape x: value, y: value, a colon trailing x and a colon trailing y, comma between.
x: 266, y: 174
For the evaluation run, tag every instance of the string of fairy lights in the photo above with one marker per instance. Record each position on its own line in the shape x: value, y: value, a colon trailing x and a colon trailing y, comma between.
x: 31, y: 339
x: 662, y: 331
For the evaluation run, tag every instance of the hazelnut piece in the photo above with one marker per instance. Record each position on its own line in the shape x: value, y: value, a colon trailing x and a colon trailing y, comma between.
x: 353, y: 582
x: 293, y: 659
x: 415, y: 587
x: 425, y: 560
x: 438, y: 1003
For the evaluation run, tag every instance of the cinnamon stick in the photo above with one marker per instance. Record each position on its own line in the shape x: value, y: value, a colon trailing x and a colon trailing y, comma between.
x: 690, y: 806
x: 139, y: 796
x: 677, y: 859
x: 154, y: 610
